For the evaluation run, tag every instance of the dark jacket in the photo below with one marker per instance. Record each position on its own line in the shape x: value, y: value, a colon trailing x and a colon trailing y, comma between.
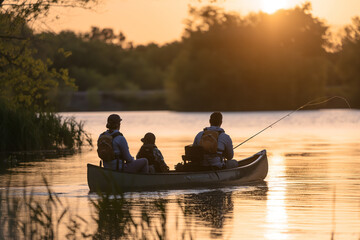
x: 154, y: 156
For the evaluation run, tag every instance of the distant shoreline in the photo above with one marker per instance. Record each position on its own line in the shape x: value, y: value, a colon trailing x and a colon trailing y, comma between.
x: 146, y: 100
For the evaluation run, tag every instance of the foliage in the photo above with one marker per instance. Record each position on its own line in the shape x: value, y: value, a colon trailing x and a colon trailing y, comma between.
x: 27, y: 83
x: 258, y: 62
x: 348, y: 61
x: 106, y: 35
x: 25, y: 79
x: 98, y: 60
x: 32, y: 10
x: 224, y: 61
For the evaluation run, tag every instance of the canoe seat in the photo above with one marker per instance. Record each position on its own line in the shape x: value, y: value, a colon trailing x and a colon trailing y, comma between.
x: 193, y: 154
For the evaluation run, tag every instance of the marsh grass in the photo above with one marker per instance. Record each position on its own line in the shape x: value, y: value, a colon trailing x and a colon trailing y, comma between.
x: 26, y: 216
x: 25, y: 132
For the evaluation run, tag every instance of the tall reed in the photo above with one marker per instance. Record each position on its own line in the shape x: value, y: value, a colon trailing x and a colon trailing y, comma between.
x: 26, y: 130
x: 23, y: 217
x: 114, y: 217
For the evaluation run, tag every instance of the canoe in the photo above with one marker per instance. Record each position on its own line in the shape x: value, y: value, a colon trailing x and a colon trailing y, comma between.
x: 250, y: 170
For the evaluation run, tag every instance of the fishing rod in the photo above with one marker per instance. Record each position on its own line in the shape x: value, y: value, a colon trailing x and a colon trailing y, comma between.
x: 310, y: 103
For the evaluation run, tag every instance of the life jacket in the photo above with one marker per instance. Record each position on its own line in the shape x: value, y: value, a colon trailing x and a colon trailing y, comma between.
x: 209, y: 141
x: 105, y: 147
x: 147, y: 151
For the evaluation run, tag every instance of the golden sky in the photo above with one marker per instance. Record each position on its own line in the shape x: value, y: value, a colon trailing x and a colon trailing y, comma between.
x: 161, y: 21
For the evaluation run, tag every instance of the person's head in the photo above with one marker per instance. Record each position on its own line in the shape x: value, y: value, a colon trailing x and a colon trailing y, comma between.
x: 149, y: 138
x: 216, y: 119
x: 113, y: 122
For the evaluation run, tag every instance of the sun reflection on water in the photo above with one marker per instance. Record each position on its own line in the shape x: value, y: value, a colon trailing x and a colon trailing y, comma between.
x: 276, y: 216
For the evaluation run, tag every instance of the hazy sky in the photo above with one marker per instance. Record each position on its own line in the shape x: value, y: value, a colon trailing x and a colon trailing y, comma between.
x: 161, y: 21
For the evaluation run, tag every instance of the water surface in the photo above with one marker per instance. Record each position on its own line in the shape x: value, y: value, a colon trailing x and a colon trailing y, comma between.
x: 311, y: 192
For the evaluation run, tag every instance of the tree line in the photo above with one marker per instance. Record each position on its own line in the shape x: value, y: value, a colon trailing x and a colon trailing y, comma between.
x: 27, y: 83
x: 224, y: 61
x: 262, y: 61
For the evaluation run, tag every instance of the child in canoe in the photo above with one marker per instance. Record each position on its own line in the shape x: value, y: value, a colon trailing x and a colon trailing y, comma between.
x: 150, y: 151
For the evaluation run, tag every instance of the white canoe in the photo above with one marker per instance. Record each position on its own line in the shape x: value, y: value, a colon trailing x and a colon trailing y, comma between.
x: 251, y: 169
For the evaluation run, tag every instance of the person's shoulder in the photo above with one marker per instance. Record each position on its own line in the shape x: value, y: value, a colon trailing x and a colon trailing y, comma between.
x: 116, y: 133
x: 156, y: 149
x: 118, y: 137
x: 225, y: 135
x: 198, y: 137
x: 104, y: 133
x: 200, y: 133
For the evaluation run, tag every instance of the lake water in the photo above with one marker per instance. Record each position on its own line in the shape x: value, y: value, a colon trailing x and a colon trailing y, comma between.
x: 311, y: 192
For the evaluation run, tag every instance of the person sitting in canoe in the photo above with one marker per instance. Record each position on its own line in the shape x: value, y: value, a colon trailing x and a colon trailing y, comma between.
x: 150, y: 151
x: 114, y: 151
x: 216, y: 143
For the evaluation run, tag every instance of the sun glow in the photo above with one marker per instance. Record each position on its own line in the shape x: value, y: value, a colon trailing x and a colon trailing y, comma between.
x: 277, y: 159
x: 271, y: 6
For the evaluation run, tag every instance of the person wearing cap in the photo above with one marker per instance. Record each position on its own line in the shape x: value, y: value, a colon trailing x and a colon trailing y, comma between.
x: 150, y: 151
x: 224, y: 144
x: 121, y: 149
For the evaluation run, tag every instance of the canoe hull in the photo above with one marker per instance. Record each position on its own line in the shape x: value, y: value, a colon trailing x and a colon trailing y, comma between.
x: 254, y: 169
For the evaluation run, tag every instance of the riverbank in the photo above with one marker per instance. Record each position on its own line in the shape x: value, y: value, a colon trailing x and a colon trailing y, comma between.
x: 145, y: 100
x: 30, y: 134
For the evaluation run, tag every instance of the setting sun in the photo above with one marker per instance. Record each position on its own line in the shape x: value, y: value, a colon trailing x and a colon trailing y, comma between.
x: 271, y: 6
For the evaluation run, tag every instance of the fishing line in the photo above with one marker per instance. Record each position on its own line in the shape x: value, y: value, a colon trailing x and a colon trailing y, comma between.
x: 310, y: 103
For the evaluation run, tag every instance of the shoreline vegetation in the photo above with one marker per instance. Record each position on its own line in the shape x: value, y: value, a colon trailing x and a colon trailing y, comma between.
x: 29, y: 123
x: 152, y: 100
x: 224, y: 61
x: 27, y: 134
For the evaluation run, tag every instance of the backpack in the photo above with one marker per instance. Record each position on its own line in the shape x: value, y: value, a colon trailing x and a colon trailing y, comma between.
x: 105, y: 148
x: 209, y: 141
